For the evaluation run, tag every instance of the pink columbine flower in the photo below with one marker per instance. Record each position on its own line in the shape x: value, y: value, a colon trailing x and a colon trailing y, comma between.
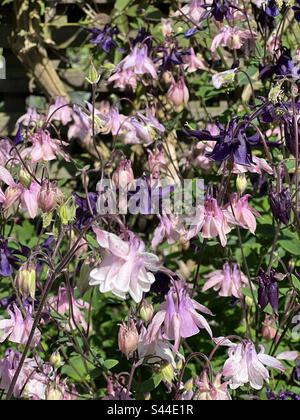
x: 202, y: 149
x: 239, y: 212
x: 122, y: 79
x: 156, y: 162
x: 61, y: 111
x: 16, y: 191
x: 232, y: 38
x: 17, y: 329
x: 228, y: 282
x: 7, y: 152
x: 44, y: 148
x: 28, y: 374
x: 258, y: 166
x: 178, y: 93
x: 64, y: 302
x: 178, y: 317
x: 123, y: 175
x: 194, y: 10
x: 139, y: 62
x: 210, y: 220
x: 155, y: 351
x: 80, y: 128
x: 31, y: 117
x: 194, y: 62
x: 142, y: 129
x: 170, y: 227
x: 208, y: 391
x: 126, y: 267
x: 245, y: 365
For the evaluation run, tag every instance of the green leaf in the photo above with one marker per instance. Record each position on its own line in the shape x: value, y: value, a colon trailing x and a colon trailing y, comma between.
x: 122, y: 4
x: 110, y: 363
x: 296, y: 282
x: 150, y: 384
x: 291, y: 246
x: 77, y: 369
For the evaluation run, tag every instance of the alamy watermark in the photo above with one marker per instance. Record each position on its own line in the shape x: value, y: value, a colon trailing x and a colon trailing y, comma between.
x: 150, y: 196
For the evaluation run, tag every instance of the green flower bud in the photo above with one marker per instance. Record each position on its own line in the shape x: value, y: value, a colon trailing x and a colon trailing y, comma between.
x: 146, y: 311
x: 56, y: 360
x: 241, y: 183
x: 54, y: 393
x: 67, y: 212
x: 84, y: 278
x: 25, y: 178
x: 93, y: 77
x: 167, y: 372
x: 25, y: 281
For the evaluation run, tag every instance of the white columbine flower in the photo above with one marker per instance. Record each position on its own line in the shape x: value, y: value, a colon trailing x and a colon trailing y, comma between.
x: 126, y: 268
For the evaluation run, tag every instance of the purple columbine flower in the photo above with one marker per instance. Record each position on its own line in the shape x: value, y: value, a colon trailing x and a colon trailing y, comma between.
x: 272, y: 9
x: 191, y: 32
x: 83, y: 211
x: 268, y: 291
x: 284, y: 66
x: 7, y: 258
x: 281, y: 203
x: 232, y: 142
x: 143, y: 37
x: 104, y: 38
x: 220, y: 10
x: 19, y: 138
x: 173, y: 58
x: 283, y: 396
x: 296, y: 9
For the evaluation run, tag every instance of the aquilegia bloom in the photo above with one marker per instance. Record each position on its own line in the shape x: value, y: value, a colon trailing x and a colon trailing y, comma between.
x: 268, y: 292
x: 17, y: 329
x: 228, y: 282
x: 178, y: 317
x: 126, y: 267
x: 245, y: 365
x: 239, y: 212
x: 211, y: 221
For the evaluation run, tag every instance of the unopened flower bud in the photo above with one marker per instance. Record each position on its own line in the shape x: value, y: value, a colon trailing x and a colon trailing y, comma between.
x: 241, y: 183
x: 269, y: 330
x: 146, y: 311
x: 25, y: 281
x: 147, y: 397
x: 49, y: 196
x: 178, y: 94
x: 56, y: 360
x: 123, y: 175
x: 25, y: 178
x: 167, y: 372
x: 67, y: 213
x: 281, y: 204
x: 128, y: 338
x: 93, y: 77
x: 188, y: 386
x: 249, y: 301
x: 84, y: 278
x: 54, y: 393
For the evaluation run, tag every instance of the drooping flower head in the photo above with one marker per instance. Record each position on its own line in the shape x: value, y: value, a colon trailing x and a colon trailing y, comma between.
x: 268, y: 292
x: 104, y: 38
x: 246, y: 366
x: 178, y: 317
x: 228, y: 282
